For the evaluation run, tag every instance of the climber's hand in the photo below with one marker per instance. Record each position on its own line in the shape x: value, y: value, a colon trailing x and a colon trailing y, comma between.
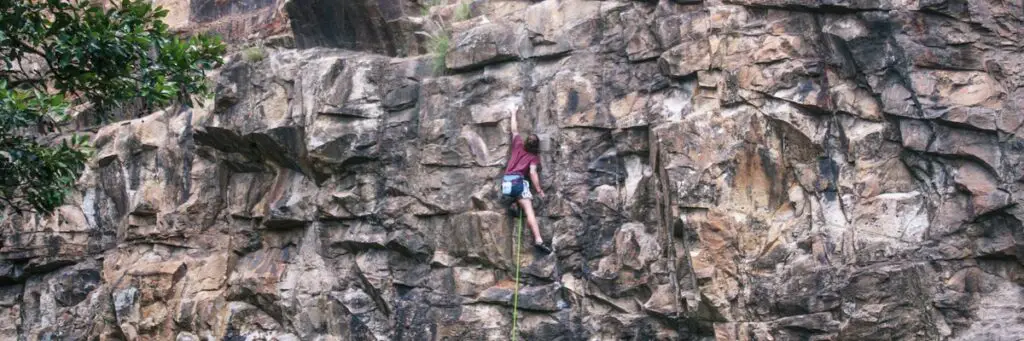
x: 541, y: 194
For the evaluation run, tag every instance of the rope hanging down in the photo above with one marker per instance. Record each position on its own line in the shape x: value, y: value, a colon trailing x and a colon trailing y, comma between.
x: 515, y: 293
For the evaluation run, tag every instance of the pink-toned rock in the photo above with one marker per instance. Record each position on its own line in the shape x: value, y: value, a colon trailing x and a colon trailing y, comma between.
x: 754, y: 169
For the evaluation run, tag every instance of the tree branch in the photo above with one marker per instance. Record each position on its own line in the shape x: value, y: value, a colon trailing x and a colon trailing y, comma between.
x: 34, y: 50
x: 30, y: 81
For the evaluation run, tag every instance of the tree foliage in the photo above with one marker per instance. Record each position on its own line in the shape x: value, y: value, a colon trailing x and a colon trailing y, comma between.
x: 58, y: 53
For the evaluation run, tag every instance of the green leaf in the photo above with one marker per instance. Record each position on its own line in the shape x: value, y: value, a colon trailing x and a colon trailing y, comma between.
x: 106, y: 56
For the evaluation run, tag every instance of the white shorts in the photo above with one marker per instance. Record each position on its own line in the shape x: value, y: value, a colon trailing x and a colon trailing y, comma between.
x: 507, y: 188
x: 526, y: 190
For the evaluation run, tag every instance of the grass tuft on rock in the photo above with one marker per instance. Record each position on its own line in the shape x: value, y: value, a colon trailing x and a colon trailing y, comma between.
x: 462, y: 12
x: 426, y: 5
x: 254, y: 54
x: 438, y: 46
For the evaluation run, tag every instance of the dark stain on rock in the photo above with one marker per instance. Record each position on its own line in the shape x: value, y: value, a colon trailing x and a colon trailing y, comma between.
x: 104, y: 235
x: 232, y: 334
x: 134, y: 172
x: 776, y: 189
x: 830, y: 171
x: 188, y: 147
x: 360, y: 331
x: 11, y: 272
x: 573, y: 102
x: 355, y: 24
x: 53, y: 243
x: 952, y: 8
x: 179, y: 273
x: 73, y: 287
x: 135, y: 161
x: 415, y: 318
x: 112, y: 182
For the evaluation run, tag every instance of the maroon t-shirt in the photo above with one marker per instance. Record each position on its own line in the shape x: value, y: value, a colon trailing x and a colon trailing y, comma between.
x: 520, y: 161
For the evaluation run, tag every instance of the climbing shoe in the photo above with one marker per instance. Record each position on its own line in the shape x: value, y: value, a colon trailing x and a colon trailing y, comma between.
x: 543, y: 248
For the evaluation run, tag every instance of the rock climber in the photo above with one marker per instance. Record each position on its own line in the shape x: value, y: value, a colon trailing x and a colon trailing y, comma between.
x: 524, y: 157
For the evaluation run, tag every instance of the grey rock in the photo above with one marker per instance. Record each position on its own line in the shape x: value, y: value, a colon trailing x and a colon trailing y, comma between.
x: 186, y: 336
x: 481, y: 45
x: 496, y: 295
x: 755, y: 169
x: 401, y: 98
x: 74, y: 287
x: 542, y: 297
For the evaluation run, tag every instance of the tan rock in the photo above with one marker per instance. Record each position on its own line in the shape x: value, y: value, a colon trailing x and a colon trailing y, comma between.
x: 985, y: 193
x: 481, y: 45
x: 686, y: 58
x: 785, y: 170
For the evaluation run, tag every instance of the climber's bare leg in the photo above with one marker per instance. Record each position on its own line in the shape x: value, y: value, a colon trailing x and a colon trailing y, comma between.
x: 527, y: 206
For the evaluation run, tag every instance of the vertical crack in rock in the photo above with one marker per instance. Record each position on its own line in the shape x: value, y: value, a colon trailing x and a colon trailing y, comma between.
x: 188, y: 149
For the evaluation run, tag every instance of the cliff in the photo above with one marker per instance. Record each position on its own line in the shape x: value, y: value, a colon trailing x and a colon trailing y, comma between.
x: 728, y: 170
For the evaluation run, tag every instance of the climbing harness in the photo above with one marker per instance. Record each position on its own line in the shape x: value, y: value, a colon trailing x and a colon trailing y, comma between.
x: 515, y: 292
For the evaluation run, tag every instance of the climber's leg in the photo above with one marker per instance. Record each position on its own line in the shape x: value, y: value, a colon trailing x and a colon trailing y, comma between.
x: 527, y: 206
x: 531, y: 220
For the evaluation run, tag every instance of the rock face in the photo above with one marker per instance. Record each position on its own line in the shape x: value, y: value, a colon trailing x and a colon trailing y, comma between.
x: 737, y: 170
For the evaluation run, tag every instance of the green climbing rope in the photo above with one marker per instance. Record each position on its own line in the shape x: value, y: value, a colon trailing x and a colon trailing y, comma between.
x: 515, y: 293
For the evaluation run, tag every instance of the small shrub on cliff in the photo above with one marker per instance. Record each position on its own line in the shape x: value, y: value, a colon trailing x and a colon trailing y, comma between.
x: 59, y: 54
x: 426, y: 5
x: 462, y: 12
x: 254, y: 54
x: 439, y: 48
x: 437, y: 40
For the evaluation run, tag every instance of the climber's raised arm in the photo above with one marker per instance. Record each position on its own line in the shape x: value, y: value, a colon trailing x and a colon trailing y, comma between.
x: 514, y: 124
